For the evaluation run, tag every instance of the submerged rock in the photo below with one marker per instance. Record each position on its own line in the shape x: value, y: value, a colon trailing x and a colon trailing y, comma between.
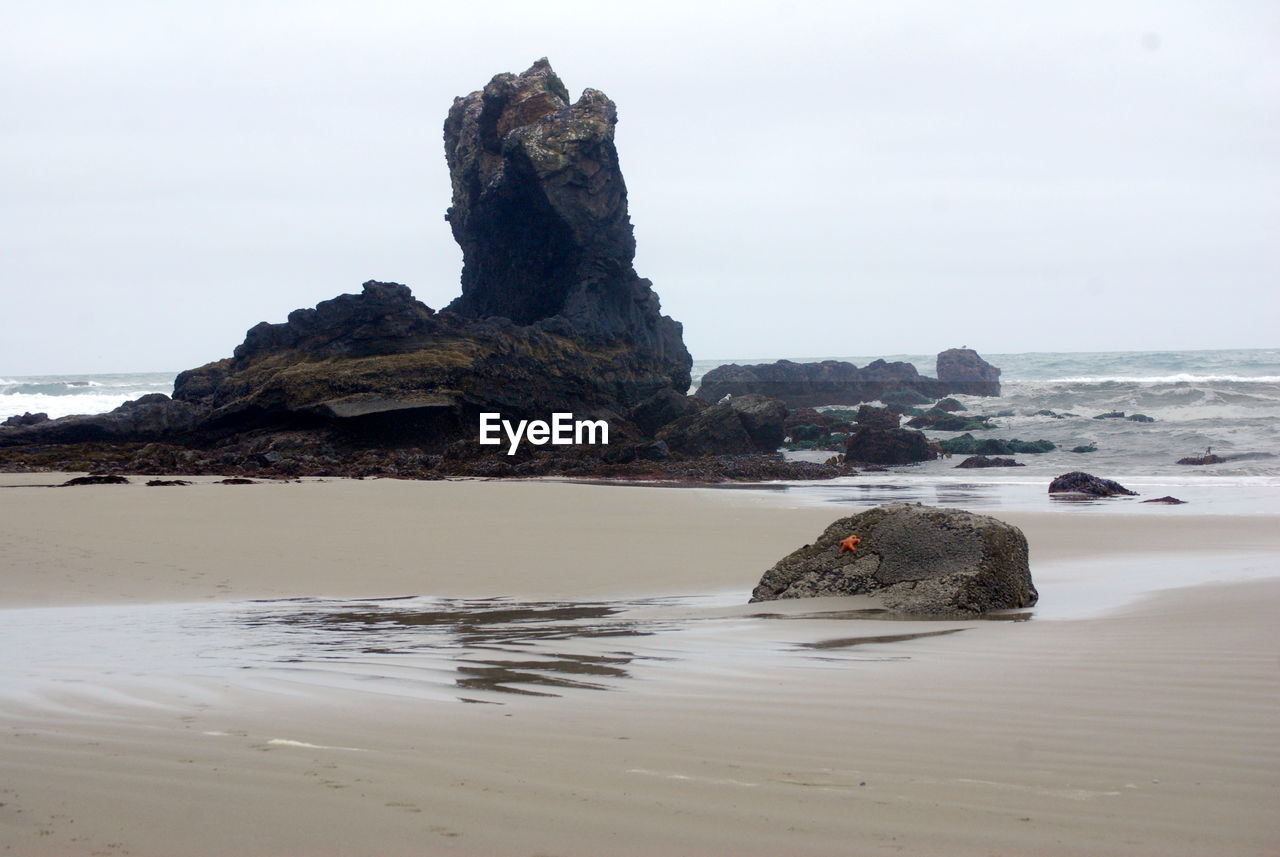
x: 1168, y: 501
x: 967, y: 444
x: 917, y: 559
x: 1078, y: 482
x: 1201, y: 460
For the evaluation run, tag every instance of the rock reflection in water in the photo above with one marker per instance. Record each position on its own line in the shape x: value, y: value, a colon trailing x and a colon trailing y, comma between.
x: 465, y: 630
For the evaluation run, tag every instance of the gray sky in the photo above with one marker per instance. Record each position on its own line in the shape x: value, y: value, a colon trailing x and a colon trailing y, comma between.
x: 805, y: 178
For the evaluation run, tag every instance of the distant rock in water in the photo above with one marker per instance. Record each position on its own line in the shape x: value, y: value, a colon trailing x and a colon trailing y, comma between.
x: 831, y: 382
x: 1078, y: 482
x: 977, y: 461
x: 961, y: 370
x: 837, y: 382
x: 871, y: 445
x: 1168, y: 501
x: 1201, y: 460
x: 916, y: 559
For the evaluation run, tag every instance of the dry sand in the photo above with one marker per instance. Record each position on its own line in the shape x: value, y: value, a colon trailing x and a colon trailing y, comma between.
x: 1150, y: 729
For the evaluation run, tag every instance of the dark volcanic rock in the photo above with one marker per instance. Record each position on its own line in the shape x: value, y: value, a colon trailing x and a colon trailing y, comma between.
x: 917, y: 559
x: 943, y: 421
x: 974, y: 461
x: 152, y: 416
x: 27, y: 419
x: 1140, y: 418
x: 552, y: 317
x: 95, y: 480
x: 961, y: 370
x: 744, y: 424
x: 888, y: 446
x: 1168, y: 501
x: 540, y: 211
x: 1110, y: 415
x: 763, y: 418
x: 950, y: 405
x: 881, y: 418
x: 967, y: 444
x: 831, y: 382
x: 1078, y: 482
x: 1201, y: 459
x: 665, y: 406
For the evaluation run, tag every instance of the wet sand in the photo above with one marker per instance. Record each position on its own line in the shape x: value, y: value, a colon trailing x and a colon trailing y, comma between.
x: 1142, y: 722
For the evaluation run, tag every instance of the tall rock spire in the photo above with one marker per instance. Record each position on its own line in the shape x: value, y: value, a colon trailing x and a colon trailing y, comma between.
x: 540, y: 211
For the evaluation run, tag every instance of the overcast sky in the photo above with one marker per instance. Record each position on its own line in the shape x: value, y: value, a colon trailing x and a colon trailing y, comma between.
x: 805, y: 179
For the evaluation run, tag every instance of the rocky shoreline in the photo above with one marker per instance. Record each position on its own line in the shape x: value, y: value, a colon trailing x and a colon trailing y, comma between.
x: 552, y: 320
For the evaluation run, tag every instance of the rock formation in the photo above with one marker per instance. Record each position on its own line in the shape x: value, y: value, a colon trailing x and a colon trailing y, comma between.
x: 1078, y: 482
x: 836, y: 382
x: 871, y: 445
x: 961, y: 370
x: 978, y: 461
x: 540, y: 211
x: 552, y: 316
x: 744, y: 424
x: 831, y: 382
x: 916, y: 559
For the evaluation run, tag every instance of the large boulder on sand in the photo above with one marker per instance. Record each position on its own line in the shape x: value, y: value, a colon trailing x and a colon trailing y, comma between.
x: 916, y: 559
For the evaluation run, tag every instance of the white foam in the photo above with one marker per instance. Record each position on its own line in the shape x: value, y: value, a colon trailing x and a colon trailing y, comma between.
x: 288, y: 742
x: 1180, y: 378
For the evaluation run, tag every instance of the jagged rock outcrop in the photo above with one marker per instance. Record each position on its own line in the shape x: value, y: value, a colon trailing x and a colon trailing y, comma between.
x: 663, y: 407
x: 1078, y: 482
x: 916, y: 559
x: 150, y: 417
x: 26, y: 419
x: 831, y: 382
x: 540, y: 211
x: 961, y: 370
x: 742, y: 425
x: 552, y: 318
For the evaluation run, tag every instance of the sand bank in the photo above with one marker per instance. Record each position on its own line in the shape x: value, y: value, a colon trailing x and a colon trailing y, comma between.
x: 718, y: 728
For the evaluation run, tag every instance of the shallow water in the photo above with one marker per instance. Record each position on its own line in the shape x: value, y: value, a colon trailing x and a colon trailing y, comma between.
x: 469, y: 650
x: 493, y: 649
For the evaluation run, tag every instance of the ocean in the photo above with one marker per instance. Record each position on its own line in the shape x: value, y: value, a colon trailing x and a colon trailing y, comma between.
x: 1225, y: 399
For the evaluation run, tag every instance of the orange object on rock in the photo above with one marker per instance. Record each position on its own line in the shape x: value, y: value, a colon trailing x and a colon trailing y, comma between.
x: 850, y: 544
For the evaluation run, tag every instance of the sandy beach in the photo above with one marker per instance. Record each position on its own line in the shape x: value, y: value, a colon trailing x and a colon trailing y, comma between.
x: 574, y: 671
